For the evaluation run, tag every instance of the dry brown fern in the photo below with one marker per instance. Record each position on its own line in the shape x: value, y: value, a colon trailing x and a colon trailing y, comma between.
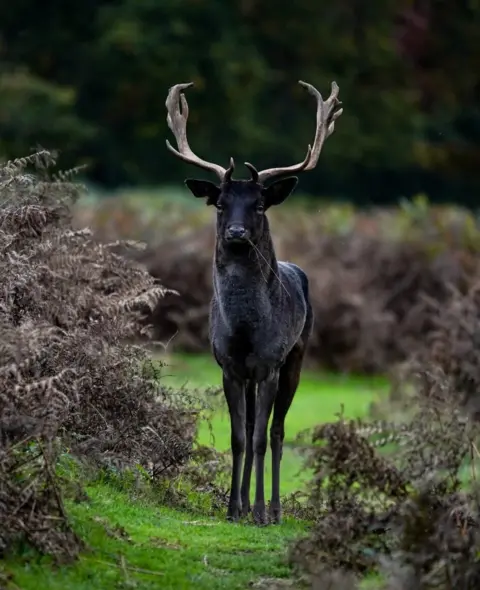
x: 405, y: 512
x: 69, y: 376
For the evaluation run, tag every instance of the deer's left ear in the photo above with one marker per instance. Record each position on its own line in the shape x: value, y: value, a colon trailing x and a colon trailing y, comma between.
x: 278, y: 191
x: 203, y: 189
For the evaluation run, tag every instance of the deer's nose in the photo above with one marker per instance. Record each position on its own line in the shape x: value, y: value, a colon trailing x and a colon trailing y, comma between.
x: 237, y: 232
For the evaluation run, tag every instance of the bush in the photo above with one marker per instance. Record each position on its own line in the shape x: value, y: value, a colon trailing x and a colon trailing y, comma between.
x: 70, y: 378
x: 412, y: 512
x: 406, y: 513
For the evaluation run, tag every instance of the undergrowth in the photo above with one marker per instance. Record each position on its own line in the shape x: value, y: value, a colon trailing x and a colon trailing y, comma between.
x: 69, y: 378
x: 411, y: 514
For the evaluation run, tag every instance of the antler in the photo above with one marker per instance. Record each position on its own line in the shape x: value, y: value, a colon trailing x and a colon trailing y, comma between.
x: 326, y: 117
x: 177, y: 121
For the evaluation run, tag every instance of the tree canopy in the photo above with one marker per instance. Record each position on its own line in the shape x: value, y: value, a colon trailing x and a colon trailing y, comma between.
x: 90, y: 78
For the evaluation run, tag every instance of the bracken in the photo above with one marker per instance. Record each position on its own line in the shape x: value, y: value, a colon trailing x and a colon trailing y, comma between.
x: 412, y: 513
x: 70, y: 378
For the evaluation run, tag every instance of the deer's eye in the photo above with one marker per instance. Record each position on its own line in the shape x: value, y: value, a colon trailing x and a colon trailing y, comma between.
x: 260, y: 209
x: 220, y: 208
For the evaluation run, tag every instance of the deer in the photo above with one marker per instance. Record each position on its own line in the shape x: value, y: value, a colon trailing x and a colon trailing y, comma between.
x: 261, y: 317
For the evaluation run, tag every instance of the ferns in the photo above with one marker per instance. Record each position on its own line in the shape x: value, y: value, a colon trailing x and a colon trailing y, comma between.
x: 68, y: 304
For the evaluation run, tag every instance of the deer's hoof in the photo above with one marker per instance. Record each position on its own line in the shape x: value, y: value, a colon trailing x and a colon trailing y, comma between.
x: 246, y: 508
x: 260, y: 515
x: 275, y: 513
x: 234, y: 511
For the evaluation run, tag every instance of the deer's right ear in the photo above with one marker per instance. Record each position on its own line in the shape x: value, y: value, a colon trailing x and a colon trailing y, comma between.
x: 204, y: 189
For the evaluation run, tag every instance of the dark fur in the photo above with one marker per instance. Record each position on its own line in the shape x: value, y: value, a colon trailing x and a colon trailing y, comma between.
x: 260, y: 323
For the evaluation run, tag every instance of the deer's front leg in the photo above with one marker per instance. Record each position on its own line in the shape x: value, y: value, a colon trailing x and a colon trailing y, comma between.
x: 235, y: 394
x: 250, y: 398
x: 267, y: 391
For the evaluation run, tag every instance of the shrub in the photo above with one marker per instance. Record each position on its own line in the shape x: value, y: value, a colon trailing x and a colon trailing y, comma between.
x: 411, y: 512
x: 70, y: 375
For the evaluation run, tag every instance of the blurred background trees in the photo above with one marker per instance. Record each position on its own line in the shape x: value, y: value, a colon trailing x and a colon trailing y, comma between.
x: 91, y: 78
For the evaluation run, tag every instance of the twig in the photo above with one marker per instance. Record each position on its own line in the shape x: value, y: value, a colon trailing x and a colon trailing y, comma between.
x: 131, y: 568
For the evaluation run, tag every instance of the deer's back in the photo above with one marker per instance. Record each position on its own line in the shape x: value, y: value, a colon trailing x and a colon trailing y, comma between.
x: 296, y: 279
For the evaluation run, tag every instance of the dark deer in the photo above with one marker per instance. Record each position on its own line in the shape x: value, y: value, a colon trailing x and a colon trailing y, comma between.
x: 260, y: 316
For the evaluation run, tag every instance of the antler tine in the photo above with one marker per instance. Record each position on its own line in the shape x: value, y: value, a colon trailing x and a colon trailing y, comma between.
x: 265, y: 175
x: 228, y: 173
x: 253, y: 171
x: 325, y: 126
x: 177, y: 122
x: 326, y: 117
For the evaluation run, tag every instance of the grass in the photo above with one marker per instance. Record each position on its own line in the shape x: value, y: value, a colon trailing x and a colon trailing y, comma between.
x: 138, y: 543
x: 141, y: 545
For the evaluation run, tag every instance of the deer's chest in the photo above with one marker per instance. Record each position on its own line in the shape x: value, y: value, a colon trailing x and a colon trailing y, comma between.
x: 243, y: 303
x: 246, y: 327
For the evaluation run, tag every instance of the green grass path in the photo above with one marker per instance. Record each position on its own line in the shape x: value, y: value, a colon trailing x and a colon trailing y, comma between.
x: 138, y: 544
x: 147, y: 546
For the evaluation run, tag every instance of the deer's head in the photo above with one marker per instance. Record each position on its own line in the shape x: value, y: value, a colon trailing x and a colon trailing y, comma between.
x: 241, y: 204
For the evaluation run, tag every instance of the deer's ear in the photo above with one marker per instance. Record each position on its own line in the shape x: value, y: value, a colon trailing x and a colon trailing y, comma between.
x: 203, y: 189
x: 277, y: 192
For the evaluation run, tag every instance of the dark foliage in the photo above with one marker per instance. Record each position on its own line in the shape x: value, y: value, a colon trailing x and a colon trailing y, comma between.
x: 453, y: 346
x: 408, y: 73
x: 411, y: 512
x: 68, y: 377
x: 370, y: 284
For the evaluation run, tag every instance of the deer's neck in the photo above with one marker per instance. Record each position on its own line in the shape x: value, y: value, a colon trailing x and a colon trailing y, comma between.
x: 249, y: 267
x: 246, y: 290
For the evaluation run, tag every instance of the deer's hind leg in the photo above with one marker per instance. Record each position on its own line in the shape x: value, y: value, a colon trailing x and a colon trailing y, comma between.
x: 287, y: 386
